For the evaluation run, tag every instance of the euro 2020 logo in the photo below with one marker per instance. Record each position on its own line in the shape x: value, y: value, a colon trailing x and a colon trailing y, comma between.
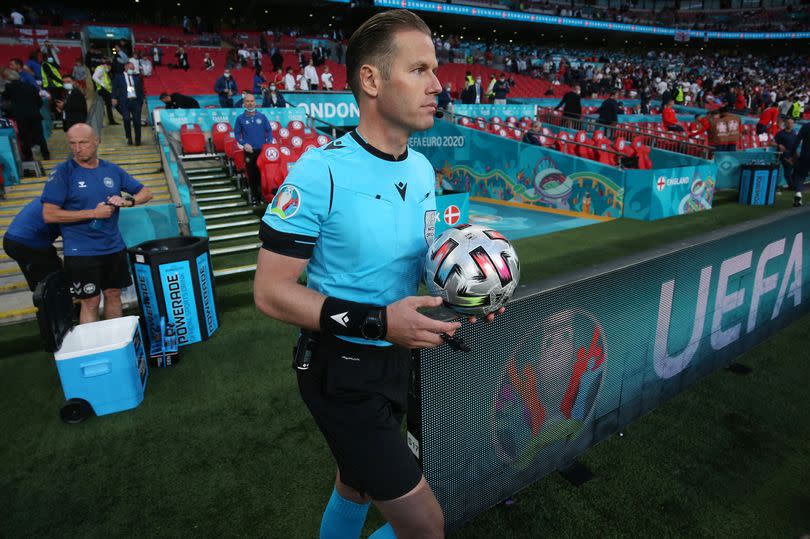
x: 550, y: 386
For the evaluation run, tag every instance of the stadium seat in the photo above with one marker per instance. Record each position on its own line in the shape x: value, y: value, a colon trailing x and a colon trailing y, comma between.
x: 239, y: 161
x: 621, y: 146
x: 582, y: 149
x: 274, y: 127
x: 192, y: 139
x: 598, y: 135
x: 296, y: 146
x: 283, y: 136
x: 496, y: 120
x: 323, y: 140
x: 271, y: 169
x: 219, y: 132
x: 642, y: 151
x: 466, y: 122
x: 604, y: 155
x: 296, y: 127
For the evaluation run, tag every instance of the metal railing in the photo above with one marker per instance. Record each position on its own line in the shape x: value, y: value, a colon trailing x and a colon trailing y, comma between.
x: 182, y: 217
x: 651, y: 138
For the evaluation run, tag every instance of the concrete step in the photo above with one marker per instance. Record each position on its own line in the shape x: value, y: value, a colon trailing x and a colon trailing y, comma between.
x: 199, y: 192
x: 235, y: 249
x: 211, y: 183
x: 233, y: 224
x: 242, y: 203
x: 218, y: 198
x: 17, y: 307
x: 249, y: 268
x: 234, y: 236
x: 13, y: 283
x: 211, y: 176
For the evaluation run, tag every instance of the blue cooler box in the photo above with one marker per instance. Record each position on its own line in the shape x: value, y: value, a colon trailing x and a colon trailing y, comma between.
x: 758, y: 182
x: 102, y: 365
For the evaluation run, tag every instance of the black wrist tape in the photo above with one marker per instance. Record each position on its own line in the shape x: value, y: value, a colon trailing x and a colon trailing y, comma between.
x: 341, y: 317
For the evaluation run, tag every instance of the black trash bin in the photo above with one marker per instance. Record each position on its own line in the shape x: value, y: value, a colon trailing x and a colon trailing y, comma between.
x: 174, y: 280
x: 758, y: 183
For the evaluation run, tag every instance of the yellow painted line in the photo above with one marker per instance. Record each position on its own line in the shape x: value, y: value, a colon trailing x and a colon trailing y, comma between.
x: 5, y: 258
x: 18, y: 312
x: 532, y: 207
x: 12, y: 286
x: 9, y: 271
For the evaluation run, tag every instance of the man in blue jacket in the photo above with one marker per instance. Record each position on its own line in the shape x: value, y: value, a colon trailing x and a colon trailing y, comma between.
x: 252, y: 131
x: 128, y: 96
x: 226, y: 88
x: 29, y: 242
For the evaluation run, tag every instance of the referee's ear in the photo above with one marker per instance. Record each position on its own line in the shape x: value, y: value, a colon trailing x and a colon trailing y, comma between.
x: 369, y: 80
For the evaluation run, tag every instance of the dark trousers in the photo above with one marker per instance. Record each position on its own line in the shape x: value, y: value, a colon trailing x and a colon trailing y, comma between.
x: 30, y: 135
x: 675, y: 128
x: 254, y: 177
x: 107, y: 97
x: 226, y: 102
x: 131, y: 111
x: 35, y: 264
x: 800, y: 171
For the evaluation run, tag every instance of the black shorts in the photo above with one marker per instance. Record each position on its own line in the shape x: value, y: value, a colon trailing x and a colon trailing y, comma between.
x: 36, y: 264
x: 358, y: 396
x: 89, y: 275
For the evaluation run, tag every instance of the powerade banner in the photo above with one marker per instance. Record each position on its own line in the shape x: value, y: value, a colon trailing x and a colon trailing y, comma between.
x: 206, y: 278
x: 578, y: 357
x: 149, y: 304
x: 537, y: 18
x: 502, y: 111
x: 729, y: 166
x: 181, y: 308
x: 452, y: 210
x: 338, y: 108
x: 490, y: 166
x: 661, y: 193
x: 174, y: 119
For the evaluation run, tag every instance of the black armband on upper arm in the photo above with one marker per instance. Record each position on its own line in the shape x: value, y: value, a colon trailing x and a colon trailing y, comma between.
x: 283, y: 243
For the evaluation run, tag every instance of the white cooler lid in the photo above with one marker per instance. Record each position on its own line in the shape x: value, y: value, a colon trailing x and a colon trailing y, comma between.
x: 97, y: 337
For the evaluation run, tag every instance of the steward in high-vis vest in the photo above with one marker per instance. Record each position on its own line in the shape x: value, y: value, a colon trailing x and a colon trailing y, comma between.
x: 679, y: 96
x: 101, y: 78
x: 796, y: 110
x: 51, y: 78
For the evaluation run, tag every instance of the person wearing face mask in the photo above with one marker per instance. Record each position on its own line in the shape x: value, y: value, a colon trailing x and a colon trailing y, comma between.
x: 101, y: 78
x: 273, y: 98
x: 252, y: 131
x: 225, y: 86
x: 74, y: 106
x: 128, y: 95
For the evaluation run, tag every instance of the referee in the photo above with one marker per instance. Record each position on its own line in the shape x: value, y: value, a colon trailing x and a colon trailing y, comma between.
x: 358, y: 215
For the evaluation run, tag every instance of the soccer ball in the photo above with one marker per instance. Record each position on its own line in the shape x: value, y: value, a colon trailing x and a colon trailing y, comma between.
x: 474, y: 269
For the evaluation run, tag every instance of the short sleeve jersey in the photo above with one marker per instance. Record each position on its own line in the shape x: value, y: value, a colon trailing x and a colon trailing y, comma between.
x: 363, y: 218
x: 73, y: 187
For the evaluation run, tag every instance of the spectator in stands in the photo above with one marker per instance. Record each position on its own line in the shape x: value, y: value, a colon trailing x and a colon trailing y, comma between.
x: 120, y: 59
x: 92, y: 59
x: 29, y: 242
x: 51, y: 78
x: 500, y: 90
x: 182, y: 59
x: 259, y: 82
x: 273, y: 98
x: 252, y: 131
x: 276, y: 58
x: 724, y: 132
x: 783, y: 141
x: 301, y: 81
x: 208, y: 62
x: 256, y: 56
x: 49, y: 50
x: 244, y: 56
x: 302, y: 60
x: 278, y: 78
x: 796, y: 108
x: 179, y: 101
x: 24, y: 103
x: 311, y: 74
x: 318, y: 55
x: 135, y: 60
x: 701, y: 125
x: 327, y: 82
x: 289, y: 80
x: 83, y: 195
x: 74, y: 105
x: 445, y: 98
x: 669, y: 119
x: 800, y: 158
x: 225, y: 87
x: 241, y: 101
x: 571, y: 103
x: 17, y: 18
x: 768, y: 118
x: 490, y: 93
x: 128, y: 96
x: 609, y: 111
x: 532, y: 136
x: 34, y: 65
x: 156, y: 53
x: 80, y: 74
x: 17, y: 65
x: 146, y: 66
x: 103, y: 83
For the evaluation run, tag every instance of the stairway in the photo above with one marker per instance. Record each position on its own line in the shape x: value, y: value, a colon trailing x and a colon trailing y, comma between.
x: 143, y: 162
x: 232, y: 224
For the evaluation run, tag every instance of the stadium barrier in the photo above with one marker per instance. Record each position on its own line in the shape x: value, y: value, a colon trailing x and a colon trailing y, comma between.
x: 493, y: 167
x: 577, y: 358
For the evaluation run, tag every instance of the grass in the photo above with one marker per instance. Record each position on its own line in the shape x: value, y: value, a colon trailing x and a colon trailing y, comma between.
x: 222, y: 444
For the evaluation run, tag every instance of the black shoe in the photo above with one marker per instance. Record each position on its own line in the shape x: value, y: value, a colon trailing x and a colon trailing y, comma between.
x: 138, y: 143
x: 129, y: 142
x: 797, y: 201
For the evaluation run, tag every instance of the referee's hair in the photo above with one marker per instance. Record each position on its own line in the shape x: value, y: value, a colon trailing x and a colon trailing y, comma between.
x: 373, y: 43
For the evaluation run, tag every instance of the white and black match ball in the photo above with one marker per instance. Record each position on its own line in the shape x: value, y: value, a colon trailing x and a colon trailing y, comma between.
x: 474, y: 269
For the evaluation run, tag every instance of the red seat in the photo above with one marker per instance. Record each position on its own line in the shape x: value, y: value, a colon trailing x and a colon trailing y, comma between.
x: 496, y: 120
x: 192, y: 139
x: 511, y: 120
x: 323, y: 140
x: 219, y: 132
x: 284, y: 136
x: 274, y: 127
x: 239, y: 160
x: 623, y: 147
x: 466, y: 122
x: 296, y: 127
x: 642, y: 151
x: 605, y: 155
x: 581, y: 148
x: 230, y: 146
x: 598, y: 135
x: 272, y: 170
x: 296, y: 146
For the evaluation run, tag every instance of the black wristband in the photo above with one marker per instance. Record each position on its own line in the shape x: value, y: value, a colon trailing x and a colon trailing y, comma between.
x: 351, y: 319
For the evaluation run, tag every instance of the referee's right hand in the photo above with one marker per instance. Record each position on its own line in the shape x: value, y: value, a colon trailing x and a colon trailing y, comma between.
x: 410, y: 329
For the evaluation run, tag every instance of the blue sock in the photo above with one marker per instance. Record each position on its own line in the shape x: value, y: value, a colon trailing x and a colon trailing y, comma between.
x: 343, y: 519
x: 386, y: 532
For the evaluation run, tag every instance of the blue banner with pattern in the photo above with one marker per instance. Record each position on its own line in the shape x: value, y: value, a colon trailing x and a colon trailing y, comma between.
x: 181, y: 307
